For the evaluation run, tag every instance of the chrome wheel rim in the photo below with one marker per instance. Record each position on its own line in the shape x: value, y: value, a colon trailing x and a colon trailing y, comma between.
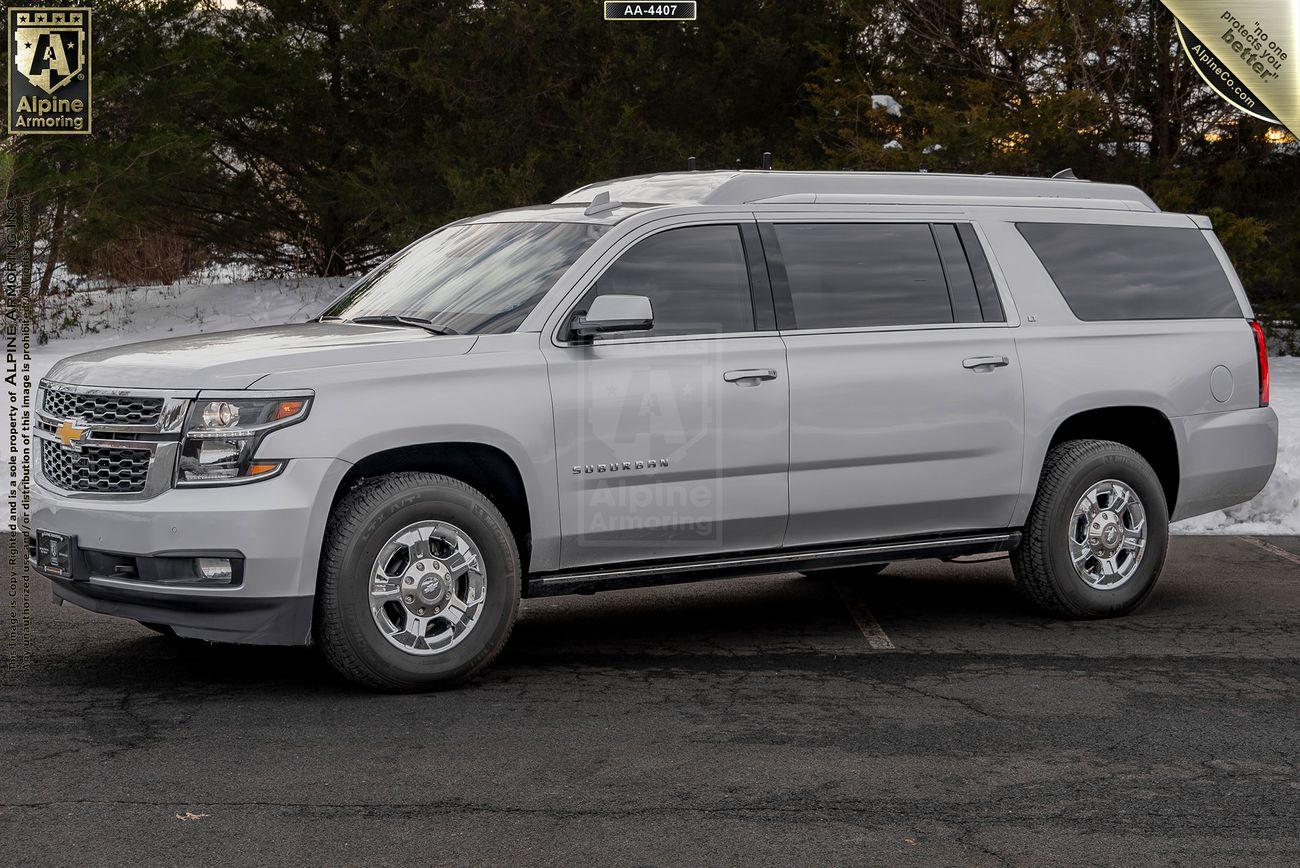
x: 1108, y: 534
x: 427, y: 587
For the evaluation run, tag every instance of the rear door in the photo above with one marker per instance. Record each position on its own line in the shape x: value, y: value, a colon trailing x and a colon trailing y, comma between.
x: 906, y: 408
x: 674, y: 442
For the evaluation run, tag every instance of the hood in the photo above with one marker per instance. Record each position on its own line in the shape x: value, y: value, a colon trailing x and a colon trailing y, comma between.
x: 238, y: 359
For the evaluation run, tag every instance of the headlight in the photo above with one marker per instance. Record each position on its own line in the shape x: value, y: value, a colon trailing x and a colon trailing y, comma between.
x: 222, y: 434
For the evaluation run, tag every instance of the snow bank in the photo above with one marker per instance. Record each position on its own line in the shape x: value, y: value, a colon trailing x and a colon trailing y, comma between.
x: 1276, y: 509
x: 121, y: 316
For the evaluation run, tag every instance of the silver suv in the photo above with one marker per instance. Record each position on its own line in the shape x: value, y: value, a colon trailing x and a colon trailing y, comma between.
x: 660, y: 379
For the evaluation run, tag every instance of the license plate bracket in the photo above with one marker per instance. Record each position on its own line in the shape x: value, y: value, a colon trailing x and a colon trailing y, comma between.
x: 54, y: 553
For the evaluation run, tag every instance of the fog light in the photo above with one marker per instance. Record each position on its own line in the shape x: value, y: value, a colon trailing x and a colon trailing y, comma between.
x: 215, y: 569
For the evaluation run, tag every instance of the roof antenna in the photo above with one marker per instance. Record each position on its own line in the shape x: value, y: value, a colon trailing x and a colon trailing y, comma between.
x: 600, y: 203
x: 690, y: 164
x: 767, y: 161
x: 1065, y: 175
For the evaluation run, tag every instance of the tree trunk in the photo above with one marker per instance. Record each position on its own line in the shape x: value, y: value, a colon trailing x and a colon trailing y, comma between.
x: 47, y: 273
x: 52, y: 254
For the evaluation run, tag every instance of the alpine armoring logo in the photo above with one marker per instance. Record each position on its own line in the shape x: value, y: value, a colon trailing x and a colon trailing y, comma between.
x: 49, y: 71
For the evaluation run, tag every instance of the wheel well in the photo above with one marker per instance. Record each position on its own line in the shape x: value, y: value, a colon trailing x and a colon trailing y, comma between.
x: 1143, y: 429
x: 484, y: 467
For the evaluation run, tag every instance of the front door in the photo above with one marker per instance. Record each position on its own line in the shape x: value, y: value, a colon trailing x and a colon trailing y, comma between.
x: 673, y: 442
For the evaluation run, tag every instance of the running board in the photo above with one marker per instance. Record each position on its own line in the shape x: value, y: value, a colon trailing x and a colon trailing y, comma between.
x: 590, y: 580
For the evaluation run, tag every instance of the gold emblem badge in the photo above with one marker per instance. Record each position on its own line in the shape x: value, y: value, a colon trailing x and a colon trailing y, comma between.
x: 49, y: 70
x: 70, y: 435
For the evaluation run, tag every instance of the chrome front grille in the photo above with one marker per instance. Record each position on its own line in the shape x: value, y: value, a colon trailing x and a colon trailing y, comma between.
x: 102, y: 409
x: 95, y: 469
x: 99, y: 442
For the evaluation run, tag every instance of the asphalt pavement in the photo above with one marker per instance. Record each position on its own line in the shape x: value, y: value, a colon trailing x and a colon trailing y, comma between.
x: 924, y: 716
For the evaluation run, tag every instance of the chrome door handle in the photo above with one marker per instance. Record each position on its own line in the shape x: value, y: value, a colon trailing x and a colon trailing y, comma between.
x: 749, y: 376
x: 977, y: 362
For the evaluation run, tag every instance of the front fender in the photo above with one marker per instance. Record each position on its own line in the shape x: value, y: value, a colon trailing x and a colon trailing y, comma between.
x: 497, y: 395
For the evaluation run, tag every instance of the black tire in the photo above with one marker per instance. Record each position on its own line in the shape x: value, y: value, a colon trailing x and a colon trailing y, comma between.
x: 865, y: 571
x: 1042, y: 563
x: 160, y: 629
x: 359, y: 525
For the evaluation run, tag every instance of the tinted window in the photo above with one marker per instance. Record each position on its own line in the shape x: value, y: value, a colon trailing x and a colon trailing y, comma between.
x: 961, y: 283
x: 990, y: 304
x: 477, y: 278
x: 1133, y: 272
x: 857, y: 274
x: 695, y: 277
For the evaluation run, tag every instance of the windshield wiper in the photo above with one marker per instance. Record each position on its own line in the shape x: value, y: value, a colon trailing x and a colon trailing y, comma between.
x: 413, y: 321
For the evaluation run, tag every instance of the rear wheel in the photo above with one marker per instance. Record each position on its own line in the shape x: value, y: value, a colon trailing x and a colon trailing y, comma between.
x: 1097, y: 533
x: 419, y: 583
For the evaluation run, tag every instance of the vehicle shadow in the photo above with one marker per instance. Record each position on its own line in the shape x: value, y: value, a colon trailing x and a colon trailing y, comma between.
x: 773, y: 614
x: 778, y: 613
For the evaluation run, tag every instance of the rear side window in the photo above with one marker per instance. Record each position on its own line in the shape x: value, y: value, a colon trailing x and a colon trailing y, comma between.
x: 1133, y: 272
x: 961, y: 281
x: 990, y: 304
x: 696, y: 278
x: 846, y: 275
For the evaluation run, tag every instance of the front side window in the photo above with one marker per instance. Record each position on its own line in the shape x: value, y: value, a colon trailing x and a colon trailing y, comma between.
x: 477, y: 278
x: 695, y: 277
x: 850, y: 275
x: 1133, y: 272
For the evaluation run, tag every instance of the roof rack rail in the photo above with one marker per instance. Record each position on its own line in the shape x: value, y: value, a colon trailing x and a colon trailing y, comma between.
x: 731, y: 187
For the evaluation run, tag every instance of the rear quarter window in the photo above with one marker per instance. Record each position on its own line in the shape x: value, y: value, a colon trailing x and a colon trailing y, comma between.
x: 1133, y: 272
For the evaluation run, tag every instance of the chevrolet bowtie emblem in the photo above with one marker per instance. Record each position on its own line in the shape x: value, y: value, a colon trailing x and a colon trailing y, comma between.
x: 69, y: 434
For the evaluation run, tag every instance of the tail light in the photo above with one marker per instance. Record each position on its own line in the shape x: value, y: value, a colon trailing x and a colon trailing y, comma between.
x: 1261, y: 353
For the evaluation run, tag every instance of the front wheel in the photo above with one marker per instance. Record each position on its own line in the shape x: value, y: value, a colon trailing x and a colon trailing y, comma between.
x: 1097, y: 533
x: 419, y: 583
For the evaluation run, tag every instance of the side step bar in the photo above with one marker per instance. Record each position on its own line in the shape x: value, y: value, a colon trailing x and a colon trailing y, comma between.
x: 589, y: 579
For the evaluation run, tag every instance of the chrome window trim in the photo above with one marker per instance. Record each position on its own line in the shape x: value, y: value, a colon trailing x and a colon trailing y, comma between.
x: 613, y: 342
x: 910, y: 327
x: 558, y: 316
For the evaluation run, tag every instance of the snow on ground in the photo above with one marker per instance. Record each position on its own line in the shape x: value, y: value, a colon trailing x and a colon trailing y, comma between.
x: 110, y: 317
x: 107, y: 318
x: 1276, y: 509
x: 120, y: 316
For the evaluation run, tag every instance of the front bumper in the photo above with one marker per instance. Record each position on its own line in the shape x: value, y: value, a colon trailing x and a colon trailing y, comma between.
x: 276, y: 526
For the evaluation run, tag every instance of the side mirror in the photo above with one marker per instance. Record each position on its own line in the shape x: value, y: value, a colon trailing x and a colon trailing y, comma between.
x: 614, y: 313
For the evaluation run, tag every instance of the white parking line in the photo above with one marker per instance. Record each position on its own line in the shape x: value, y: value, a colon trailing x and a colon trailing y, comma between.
x: 1272, y: 549
x: 867, y: 623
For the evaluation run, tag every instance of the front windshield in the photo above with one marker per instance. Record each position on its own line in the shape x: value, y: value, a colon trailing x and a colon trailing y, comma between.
x: 479, y: 278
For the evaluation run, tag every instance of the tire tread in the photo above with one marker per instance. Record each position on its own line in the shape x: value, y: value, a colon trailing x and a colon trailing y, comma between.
x: 1031, y: 560
x: 344, y: 525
